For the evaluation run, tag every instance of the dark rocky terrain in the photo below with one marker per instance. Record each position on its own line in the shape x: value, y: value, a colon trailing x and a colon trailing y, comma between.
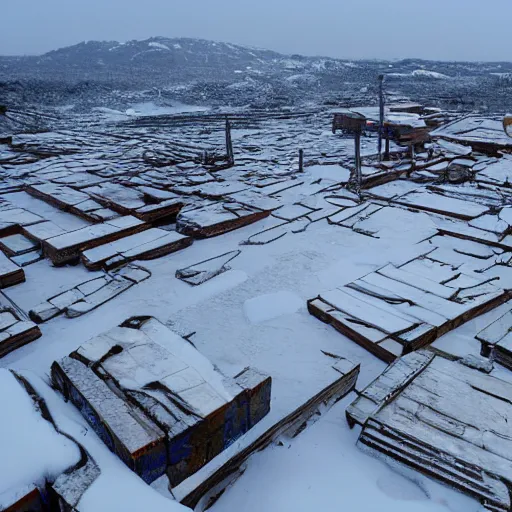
x: 193, y: 71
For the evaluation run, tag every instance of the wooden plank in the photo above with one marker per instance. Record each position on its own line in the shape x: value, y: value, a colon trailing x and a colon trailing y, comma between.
x: 67, y: 247
x: 437, y: 203
x: 32, y: 501
x: 400, y: 304
x: 15, y: 245
x: 130, y: 201
x: 42, y: 231
x: 215, y: 220
x: 420, y: 282
x: 90, y: 294
x: 368, y: 337
x: 387, y: 385
x: 466, y: 232
x: 369, y: 314
x: 17, y: 335
x: 150, y: 244
x: 67, y: 199
x: 199, y: 273
x: 10, y: 273
x: 503, y: 351
x: 423, y: 299
x: 496, y: 331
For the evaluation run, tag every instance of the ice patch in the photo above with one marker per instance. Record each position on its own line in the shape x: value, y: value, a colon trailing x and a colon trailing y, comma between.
x: 151, y: 109
x: 399, y: 488
x: 272, y: 305
x: 335, y: 173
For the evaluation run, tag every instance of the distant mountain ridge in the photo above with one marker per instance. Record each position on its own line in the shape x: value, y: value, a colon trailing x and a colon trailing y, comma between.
x: 163, y: 58
x: 209, y: 72
x: 190, y: 51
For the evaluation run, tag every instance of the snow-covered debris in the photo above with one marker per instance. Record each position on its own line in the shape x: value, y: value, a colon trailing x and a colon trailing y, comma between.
x: 34, y: 454
x: 421, y: 307
x: 217, y: 219
x: 413, y: 413
x: 203, y: 271
x: 422, y: 247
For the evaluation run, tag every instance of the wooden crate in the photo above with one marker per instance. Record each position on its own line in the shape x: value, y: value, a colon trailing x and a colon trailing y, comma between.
x: 156, y: 402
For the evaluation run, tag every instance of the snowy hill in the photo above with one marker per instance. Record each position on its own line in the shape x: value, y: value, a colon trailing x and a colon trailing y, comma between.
x: 196, y: 71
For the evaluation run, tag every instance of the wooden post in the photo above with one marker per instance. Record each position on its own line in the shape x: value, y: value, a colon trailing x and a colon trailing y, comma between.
x: 355, y: 123
x: 359, y: 177
x: 229, y: 143
x: 413, y: 159
x: 301, y: 160
x: 386, y: 152
x: 381, y: 113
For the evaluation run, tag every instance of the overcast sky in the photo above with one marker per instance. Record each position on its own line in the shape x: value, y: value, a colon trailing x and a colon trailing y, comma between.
x: 435, y: 29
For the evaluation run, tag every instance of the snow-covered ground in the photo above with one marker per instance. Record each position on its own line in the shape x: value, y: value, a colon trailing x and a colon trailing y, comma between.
x: 147, y: 109
x: 255, y: 314
x: 324, y: 470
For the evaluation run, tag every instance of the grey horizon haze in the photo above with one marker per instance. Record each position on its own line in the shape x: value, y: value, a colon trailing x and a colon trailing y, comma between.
x: 384, y: 29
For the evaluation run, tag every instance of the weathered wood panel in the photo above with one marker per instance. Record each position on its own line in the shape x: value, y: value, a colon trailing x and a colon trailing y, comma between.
x: 157, y: 402
x: 443, y: 419
x: 399, y: 309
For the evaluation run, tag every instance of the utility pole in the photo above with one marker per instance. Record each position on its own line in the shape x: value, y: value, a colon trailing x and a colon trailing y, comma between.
x: 229, y: 143
x: 381, y: 113
x: 301, y: 160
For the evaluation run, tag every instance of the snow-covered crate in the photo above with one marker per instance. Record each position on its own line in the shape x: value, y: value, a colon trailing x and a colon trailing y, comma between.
x: 156, y: 402
x: 444, y: 419
x: 137, y: 441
